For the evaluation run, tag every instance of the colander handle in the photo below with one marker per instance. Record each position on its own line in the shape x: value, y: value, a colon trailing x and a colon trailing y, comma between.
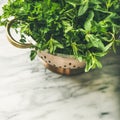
x: 12, y: 40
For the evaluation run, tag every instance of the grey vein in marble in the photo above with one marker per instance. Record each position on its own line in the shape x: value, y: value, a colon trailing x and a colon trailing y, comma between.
x: 28, y: 91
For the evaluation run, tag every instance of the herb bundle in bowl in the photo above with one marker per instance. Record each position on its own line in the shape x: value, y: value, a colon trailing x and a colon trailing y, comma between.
x: 85, y: 29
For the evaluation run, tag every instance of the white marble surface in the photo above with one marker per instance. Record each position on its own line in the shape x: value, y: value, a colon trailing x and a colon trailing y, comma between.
x: 28, y: 91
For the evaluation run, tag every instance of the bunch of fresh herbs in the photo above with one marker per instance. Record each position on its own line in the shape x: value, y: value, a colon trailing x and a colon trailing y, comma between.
x: 87, y: 29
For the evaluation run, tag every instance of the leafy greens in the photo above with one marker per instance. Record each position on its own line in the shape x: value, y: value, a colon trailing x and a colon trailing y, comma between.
x: 87, y: 29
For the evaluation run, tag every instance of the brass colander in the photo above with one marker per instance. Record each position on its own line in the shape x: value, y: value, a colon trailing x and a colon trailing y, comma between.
x: 62, y: 64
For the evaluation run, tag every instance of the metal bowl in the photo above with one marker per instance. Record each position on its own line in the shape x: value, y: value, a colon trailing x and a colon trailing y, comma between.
x: 62, y: 64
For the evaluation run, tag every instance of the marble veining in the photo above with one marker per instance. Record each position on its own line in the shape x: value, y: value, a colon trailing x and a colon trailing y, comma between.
x: 28, y: 91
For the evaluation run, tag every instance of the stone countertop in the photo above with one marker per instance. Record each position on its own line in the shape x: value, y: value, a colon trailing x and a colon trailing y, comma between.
x: 28, y: 91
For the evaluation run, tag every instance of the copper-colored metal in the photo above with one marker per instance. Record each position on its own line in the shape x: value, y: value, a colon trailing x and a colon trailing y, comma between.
x: 60, y: 64
x: 66, y: 65
x: 12, y: 40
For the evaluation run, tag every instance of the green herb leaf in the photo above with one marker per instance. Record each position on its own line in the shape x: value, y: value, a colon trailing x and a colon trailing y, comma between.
x: 33, y: 54
x: 83, y: 8
x: 87, y: 29
x: 88, y: 22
